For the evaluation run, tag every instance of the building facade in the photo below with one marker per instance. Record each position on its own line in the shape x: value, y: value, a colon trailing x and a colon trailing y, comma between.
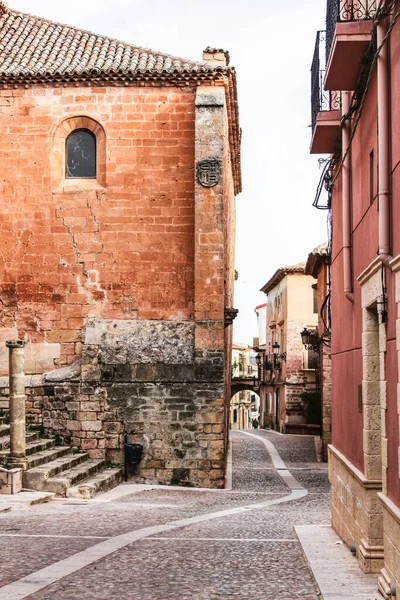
x: 119, y: 168
x: 356, y: 107
x: 245, y: 403
x: 287, y: 370
x: 318, y: 266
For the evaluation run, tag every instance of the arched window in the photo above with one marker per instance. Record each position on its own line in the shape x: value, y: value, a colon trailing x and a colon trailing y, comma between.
x: 81, y: 154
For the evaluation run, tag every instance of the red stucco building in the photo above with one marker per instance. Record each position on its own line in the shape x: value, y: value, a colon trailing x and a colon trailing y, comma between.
x: 119, y: 169
x: 356, y: 108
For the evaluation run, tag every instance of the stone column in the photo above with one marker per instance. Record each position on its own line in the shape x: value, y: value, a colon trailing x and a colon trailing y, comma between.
x: 17, y: 402
x: 209, y: 304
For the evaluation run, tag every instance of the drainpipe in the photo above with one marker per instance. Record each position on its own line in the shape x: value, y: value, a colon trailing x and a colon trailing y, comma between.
x: 347, y: 282
x: 383, y: 146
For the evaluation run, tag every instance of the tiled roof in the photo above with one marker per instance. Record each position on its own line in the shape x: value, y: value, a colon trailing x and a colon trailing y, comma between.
x: 281, y: 274
x: 316, y: 258
x: 37, y: 51
x: 41, y: 50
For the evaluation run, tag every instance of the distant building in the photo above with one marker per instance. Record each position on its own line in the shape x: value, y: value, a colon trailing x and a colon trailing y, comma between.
x: 318, y: 266
x: 287, y: 370
x: 245, y: 404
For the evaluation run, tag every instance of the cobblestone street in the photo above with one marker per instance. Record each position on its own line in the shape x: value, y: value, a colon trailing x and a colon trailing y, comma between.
x: 250, y: 553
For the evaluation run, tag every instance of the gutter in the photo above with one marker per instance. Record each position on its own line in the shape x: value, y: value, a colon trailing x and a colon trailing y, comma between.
x: 346, y: 209
x: 384, y: 250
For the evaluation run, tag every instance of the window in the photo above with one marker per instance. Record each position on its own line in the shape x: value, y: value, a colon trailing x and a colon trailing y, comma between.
x: 235, y: 415
x: 311, y: 359
x: 315, y: 300
x: 81, y: 155
x: 371, y: 177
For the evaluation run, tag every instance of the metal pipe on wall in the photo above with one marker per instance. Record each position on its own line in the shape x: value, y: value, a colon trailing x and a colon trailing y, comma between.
x: 384, y: 249
x: 346, y: 208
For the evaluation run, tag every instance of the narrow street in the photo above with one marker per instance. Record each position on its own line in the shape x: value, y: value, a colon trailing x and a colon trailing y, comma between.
x: 158, y: 543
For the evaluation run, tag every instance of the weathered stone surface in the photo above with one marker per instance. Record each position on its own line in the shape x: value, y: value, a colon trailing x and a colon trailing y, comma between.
x: 65, y: 374
x: 139, y: 342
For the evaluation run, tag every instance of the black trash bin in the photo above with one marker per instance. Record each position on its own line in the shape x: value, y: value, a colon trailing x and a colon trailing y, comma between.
x: 133, y: 456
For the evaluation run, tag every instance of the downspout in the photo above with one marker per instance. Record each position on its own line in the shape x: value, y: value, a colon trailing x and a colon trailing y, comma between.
x: 383, y: 145
x: 347, y: 282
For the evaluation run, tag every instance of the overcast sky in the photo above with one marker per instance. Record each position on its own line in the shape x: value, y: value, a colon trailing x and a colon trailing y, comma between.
x: 271, y: 43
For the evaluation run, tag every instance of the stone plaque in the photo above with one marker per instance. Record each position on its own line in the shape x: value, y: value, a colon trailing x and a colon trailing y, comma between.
x: 209, y: 172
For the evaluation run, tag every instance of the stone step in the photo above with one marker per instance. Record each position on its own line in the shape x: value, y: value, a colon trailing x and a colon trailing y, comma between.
x: 101, y: 482
x: 65, y: 480
x: 48, y: 455
x: 5, y: 440
x: 33, y: 447
x: 37, y: 477
x: 4, y: 430
x: 39, y: 445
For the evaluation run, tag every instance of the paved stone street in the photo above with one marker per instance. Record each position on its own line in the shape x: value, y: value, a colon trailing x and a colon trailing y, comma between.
x: 248, y: 553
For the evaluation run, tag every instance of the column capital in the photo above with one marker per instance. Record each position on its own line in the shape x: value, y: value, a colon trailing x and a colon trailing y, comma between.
x: 16, y: 343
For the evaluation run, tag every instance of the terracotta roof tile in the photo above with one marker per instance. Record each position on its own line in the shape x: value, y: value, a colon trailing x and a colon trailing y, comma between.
x: 41, y: 50
x: 281, y: 274
x: 319, y: 256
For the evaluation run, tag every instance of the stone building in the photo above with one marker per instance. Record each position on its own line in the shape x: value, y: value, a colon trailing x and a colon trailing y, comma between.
x: 356, y: 108
x: 119, y: 170
x: 286, y: 368
x: 318, y: 266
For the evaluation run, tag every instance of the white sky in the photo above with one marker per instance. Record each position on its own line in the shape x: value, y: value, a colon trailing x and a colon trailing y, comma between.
x: 271, y: 43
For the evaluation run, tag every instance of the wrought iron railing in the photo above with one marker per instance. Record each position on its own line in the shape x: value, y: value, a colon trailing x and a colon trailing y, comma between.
x: 346, y: 10
x: 321, y: 100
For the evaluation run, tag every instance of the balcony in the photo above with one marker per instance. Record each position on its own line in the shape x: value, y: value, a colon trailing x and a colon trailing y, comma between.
x: 348, y: 34
x: 325, y: 105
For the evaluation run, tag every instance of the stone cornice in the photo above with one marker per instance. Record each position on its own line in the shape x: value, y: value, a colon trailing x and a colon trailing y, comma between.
x: 370, y: 271
x: 370, y: 484
x: 390, y: 506
x: 394, y: 264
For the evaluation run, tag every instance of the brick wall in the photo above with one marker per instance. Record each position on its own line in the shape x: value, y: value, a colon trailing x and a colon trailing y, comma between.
x: 123, y: 249
x: 140, y: 246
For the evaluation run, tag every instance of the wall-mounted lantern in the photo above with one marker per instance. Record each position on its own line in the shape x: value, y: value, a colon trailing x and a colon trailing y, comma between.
x: 275, y: 349
x: 305, y: 337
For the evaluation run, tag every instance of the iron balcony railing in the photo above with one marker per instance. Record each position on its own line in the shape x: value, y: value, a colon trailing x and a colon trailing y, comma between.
x: 321, y: 100
x: 338, y: 11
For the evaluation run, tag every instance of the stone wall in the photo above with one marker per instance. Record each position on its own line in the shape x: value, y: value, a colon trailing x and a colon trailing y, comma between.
x: 326, y: 399
x: 390, y: 574
x: 356, y: 511
x: 119, y: 284
x: 143, y: 380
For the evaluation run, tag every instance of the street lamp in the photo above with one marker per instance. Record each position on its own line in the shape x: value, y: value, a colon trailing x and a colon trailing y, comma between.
x: 305, y: 337
x: 258, y: 360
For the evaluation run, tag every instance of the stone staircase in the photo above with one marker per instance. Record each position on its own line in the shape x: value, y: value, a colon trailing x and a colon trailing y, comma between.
x: 58, y: 469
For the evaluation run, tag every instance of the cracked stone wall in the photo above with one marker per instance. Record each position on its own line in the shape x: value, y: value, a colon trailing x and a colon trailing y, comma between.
x: 119, y: 283
x: 119, y: 246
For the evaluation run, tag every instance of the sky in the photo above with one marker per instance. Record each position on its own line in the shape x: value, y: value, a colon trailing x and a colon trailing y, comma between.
x: 271, y: 43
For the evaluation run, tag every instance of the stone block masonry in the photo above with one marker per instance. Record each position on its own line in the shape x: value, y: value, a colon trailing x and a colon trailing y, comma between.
x: 119, y: 246
x: 119, y: 283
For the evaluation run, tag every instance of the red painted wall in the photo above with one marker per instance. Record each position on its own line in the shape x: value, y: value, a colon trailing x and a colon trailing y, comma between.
x: 347, y: 316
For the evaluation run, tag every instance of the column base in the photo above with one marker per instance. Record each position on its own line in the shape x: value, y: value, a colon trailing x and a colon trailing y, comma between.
x: 18, y: 463
x: 371, y: 558
x: 384, y: 583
